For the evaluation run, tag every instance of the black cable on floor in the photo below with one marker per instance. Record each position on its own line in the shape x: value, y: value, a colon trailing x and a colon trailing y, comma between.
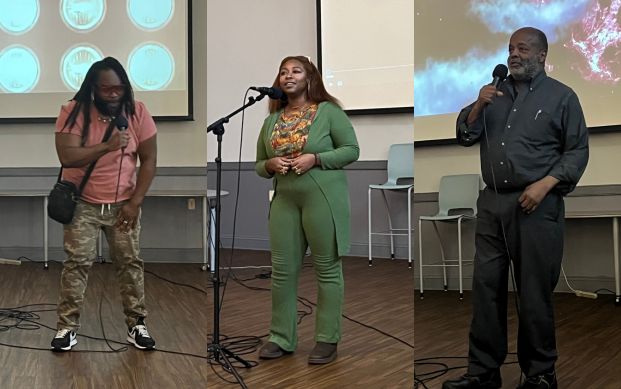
x: 444, y: 368
x: 28, y: 320
x: 178, y: 283
x: 239, y: 345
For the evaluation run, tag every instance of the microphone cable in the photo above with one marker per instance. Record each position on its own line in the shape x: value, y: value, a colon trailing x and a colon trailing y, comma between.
x: 118, y: 180
x: 502, y: 223
x: 445, y: 368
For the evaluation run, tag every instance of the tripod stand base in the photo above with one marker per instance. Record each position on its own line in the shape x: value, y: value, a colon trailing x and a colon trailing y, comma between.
x: 219, y: 352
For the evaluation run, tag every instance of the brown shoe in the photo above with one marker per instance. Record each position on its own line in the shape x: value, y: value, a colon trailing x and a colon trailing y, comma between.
x: 272, y: 351
x: 322, y: 354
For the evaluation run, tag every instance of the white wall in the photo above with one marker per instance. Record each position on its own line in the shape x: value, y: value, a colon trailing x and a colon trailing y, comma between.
x: 246, y: 40
x: 179, y: 143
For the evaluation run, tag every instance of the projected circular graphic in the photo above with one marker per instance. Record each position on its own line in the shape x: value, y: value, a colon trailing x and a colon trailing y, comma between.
x: 76, y: 62
x: 19, y: 69
x: 150, y: 15
x: 151, y: 66
x: 18, y: 17
x: 83, y: 15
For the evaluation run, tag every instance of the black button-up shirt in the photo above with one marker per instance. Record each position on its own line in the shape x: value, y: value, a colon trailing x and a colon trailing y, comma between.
x: 537, y: 132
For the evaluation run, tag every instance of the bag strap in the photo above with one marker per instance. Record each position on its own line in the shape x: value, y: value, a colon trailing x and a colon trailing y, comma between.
x: 90, y: 168
x: 92, y: 165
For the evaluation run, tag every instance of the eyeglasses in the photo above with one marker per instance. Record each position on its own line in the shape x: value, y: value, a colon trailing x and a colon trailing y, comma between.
x: 109, y: 89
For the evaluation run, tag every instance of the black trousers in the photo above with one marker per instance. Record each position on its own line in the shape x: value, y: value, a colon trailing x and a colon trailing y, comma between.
x: 535, y: 244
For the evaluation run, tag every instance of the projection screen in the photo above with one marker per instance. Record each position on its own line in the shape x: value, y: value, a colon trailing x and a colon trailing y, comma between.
x: 367, y: 53
x: 459, y: 42
x: 47, y: 46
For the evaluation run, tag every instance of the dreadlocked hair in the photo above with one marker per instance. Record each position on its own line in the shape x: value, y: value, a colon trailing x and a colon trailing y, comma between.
x: 84, y: 96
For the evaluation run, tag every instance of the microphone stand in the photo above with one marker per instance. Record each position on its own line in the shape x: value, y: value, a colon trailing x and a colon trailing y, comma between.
x: 218, y: 351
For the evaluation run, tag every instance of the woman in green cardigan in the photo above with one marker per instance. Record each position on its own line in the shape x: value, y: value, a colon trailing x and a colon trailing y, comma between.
x: 304, y: 145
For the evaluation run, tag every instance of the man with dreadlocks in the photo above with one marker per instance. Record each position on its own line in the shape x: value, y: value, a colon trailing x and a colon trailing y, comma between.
x: 111, y: 198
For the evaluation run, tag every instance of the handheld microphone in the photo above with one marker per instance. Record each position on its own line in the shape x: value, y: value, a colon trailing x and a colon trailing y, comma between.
x: 121, y: 124
x: 274, y: 93
x: 499, y: 74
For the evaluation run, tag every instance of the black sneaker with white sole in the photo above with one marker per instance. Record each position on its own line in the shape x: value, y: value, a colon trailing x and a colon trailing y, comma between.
x: 64, y: 340
x: 139, y: 337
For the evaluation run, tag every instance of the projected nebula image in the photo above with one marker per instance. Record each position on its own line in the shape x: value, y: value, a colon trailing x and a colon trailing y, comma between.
x: 83, y: 15
x: 19, y: 69
x: 76, y: 62
x: 18, y: 17
x: 598, y: 31
x: 151, y: 66
x: 150, y: 15
x: 457, y: 49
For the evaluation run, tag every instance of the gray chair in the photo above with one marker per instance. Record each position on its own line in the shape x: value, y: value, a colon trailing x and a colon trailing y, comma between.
x: 400, y: 166
x: 456, y: 193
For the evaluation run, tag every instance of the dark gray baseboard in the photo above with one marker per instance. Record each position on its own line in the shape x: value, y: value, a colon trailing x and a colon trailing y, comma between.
x: 358, y: 249
x: 586, y: 284
x: 172, y: 255
x: 195, y: 255
x: 249, y: 166
x: 580, y: 191
x: 53, y: 171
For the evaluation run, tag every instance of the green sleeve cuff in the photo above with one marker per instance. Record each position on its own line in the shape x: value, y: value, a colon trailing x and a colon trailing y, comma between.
x: 259, y: 167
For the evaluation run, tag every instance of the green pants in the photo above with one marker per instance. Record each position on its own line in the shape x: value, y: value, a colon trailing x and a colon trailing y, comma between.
x: 300, y: 217
x: 80, y: 243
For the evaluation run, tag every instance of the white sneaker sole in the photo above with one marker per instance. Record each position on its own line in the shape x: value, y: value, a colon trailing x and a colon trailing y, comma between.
x: 132, y: 341
x: 71, y: 344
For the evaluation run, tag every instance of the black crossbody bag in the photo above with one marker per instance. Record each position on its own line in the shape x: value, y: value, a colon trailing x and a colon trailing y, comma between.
x: 64, y: 196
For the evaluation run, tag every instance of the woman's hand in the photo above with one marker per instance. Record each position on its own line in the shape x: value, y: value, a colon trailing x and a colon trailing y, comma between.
x: 303, y: 163
x: 278, y: 165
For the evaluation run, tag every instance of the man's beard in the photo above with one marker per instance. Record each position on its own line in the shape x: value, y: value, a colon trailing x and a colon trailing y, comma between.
x: 530, y: 67
x: 102, y: 107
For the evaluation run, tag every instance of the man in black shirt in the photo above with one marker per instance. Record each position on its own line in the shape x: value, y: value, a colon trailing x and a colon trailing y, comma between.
x: 534, y: 149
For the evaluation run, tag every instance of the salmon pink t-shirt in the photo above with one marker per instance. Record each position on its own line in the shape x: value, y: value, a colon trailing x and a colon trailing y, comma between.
x: 101, y: 187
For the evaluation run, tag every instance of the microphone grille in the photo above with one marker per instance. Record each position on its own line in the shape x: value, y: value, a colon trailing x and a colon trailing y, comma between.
x: 121, y: 122
x: 500, y: 71
x: 277, y: 93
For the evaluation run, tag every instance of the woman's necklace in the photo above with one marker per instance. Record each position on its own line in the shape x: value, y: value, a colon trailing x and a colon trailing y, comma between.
x: 297, y: 109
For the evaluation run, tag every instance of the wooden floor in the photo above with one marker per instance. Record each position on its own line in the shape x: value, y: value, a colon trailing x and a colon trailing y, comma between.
x: 588, y: 339
x: 180, y: 319
x: 380, y: 296
x: 177, y: 318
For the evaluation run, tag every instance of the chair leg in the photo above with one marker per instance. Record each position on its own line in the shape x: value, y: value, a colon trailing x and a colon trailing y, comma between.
x: 435, y: 226
x: 410, y: 227
x: 370, y: 243
x: 461, y: 287
x: 420, y: 255
x: 392, y: 241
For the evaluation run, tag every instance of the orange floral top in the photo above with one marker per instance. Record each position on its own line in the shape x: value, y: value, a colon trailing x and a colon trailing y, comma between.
x: 290, y: 134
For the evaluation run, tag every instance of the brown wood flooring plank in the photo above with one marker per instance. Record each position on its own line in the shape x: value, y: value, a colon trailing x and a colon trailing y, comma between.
x: 180, y: 319
x: 588, y: 338
x: 177, y: 321
x: 379, y: 296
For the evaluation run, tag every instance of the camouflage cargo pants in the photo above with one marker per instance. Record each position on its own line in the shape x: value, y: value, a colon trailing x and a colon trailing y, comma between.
x: 80, y: 244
